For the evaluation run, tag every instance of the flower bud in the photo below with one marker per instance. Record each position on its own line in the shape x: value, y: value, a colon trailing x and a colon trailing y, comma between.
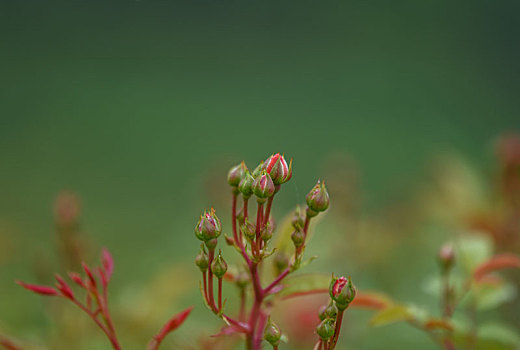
x: 258, y: 170
x: 246, y: 185
x: 277, y: 168
x: 326, y: 329
x: 263, y: 187
x: 208, y: 227
x: 328, y: 311
x: 342, y: 291
x: 447, y: 256
x: 318, y: 198
x: 298, y: 238
x: 272, y: 333
x: 297, y: 220
x: 236, y: 174
x: 202, y: 259
x: 219, y: 266
x: 248, y: 229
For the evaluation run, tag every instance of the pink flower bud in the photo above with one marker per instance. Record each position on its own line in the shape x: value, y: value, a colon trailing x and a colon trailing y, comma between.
x: 318, y: 198
x: 277, y: 168
x: 342, y: 291
x: 236, y: 174
x: 263, y: 187
x: 208, y: 227
x: 447, y: 256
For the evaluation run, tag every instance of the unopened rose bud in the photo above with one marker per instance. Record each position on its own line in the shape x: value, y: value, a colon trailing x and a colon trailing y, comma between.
x: 258, y: 170
x: 342, y: 291
x: 297, y: 220
x: 447, y: 256
x: 246, y: 185
x: 208, y: 227
x: 318, y: 198
x: 236, y: 174
x: 242, y: 279
x: 248, y: 229
x: 298, y: 238
x: 202, y: 259
x: 326, y: 329
x: 272, y: 333
x: 219, y: 266
x: 277, y: 167
x: 263, y: 187
x: 328, y: 311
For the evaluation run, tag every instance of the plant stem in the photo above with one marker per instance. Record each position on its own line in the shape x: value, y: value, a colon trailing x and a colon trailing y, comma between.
x: 234, y: 216
x: 337, y: 330
x: 219, y: 294
x: 210, y: 281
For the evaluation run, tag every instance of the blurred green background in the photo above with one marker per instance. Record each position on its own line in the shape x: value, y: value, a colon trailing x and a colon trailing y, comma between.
x: 140, y: 107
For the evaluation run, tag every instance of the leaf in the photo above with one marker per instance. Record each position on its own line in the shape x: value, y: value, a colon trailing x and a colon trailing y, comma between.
x: 108, y: 263
x: 472, y: 250
x: 371, y: 300
x: 497, y: 262
x: 172, y: 324
x: 39, y: 289
x: 397, y: 313
x: 492, y: 296
x: 497, y: 336
x: 438, y: 323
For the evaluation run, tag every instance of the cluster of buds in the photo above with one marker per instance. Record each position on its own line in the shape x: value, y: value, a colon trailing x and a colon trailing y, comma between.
x: 251, y: 237
x: 342, y: 292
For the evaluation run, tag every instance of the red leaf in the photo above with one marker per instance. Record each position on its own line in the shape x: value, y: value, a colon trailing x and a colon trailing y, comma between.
x: 170, y: 326
x: 64, y: 288
x: 77, y: 278
x: 90, y: 276
x: 8, y: 344
x: 437, y: 323
x: 497, y: 262
x: 43, y: 290
x: 108, y: 263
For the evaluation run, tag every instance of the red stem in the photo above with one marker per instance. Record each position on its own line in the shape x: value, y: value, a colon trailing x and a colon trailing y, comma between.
x: 277, y: 280
x: 334, y: 340
x: 210, y: 282
x: 259, y: 221
x: 234, y: 217
x: 204, y: 278
x: 220, y: 294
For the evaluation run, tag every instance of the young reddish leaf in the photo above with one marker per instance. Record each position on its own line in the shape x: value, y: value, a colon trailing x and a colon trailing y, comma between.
x: 375, y: 301
x: 77, y: 278
x: 228, y: 330
x: 43, y: 290
x: 303, y: 293
x: 64, y: 288
x: 90, y: 276
x: 497, y: 262
x: 108, y: 263
x: 170, y: 326
x: 103, y: 276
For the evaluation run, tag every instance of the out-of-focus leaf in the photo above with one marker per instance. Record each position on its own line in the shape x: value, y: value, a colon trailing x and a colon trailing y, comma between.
x: 497, y: 336
x: 491, y: 296
x: 472, y: 250
x: 371, y: 300
x: 438, y: 323
x: 282, y: 236
x: 304, y: 284
x: 497, y: 262
x: 392, y: 314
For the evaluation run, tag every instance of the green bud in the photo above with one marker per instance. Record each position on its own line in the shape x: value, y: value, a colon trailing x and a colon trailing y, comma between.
x: 297, y: 220
x: 298, y: 238
x: 342, y: 291
x: 219, y: 266
x: 318, y: 198
x: 258, y: 170
x: 272, y: 333
x: 326, y: 329
x: 248, y: 229
x: 246, y: 185
x: 202, y: 259
x: 236, y: 174
x: 208, y: 227
x: 447, y: 257
x: 263, y: 187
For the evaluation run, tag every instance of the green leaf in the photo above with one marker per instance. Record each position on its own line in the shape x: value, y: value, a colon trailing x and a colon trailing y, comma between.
x: 489, y: 297
x: 392, y: 314
x: 472, y: 250
x: 497, y: 336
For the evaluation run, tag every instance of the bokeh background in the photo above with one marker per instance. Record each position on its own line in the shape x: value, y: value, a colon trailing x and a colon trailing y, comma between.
x: 140, y: 107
